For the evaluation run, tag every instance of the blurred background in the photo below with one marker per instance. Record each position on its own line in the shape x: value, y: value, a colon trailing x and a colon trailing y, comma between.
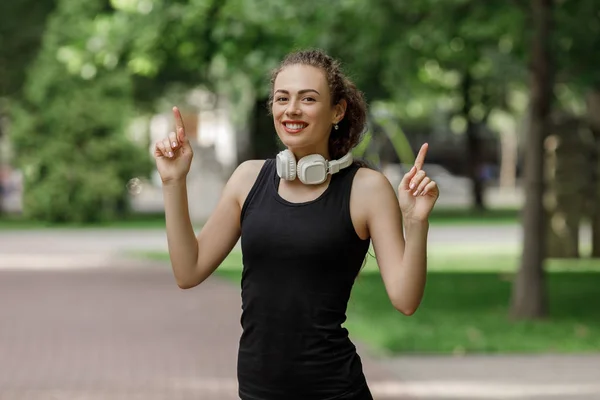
x: 506, y: 93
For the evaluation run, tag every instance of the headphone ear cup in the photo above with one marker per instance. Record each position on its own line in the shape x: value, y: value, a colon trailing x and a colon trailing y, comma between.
x: 286, y: 165
x: 300, y: 170
x: 312, y: 169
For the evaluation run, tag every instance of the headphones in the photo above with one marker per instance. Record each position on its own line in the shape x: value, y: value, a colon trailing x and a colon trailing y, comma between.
x: 311, y: 169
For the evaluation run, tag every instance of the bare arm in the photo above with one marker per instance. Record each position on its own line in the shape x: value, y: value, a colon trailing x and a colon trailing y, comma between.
x: 402, y: 262
x: 402, y: 258
x: 194, y: 259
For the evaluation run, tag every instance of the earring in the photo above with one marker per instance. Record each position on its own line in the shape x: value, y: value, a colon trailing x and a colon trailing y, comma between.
x: 336, y: 127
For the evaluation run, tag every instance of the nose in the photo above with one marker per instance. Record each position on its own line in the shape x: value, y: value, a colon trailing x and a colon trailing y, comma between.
x: 293, y: 108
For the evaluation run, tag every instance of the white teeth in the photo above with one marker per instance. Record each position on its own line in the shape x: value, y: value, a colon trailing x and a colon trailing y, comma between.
x: 295, y: 126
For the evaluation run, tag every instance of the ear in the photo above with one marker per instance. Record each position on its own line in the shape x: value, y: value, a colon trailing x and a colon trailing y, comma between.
x: 340, y: 111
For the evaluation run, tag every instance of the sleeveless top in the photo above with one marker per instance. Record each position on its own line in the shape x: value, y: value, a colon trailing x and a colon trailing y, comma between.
x: 300, y: 261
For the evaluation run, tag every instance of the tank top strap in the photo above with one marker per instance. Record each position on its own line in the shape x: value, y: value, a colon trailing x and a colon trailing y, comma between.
x: 341, y: 189
x: 342, y: 181
x: 261, y: 184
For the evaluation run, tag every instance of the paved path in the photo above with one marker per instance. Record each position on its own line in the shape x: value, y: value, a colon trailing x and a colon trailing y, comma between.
x: 481, y: 377
x: 98, y: 240
x: 80, y: 322
x: 89, y: 248
x: 115, y: 333
x: 119, y: 332
x: 111, y: 241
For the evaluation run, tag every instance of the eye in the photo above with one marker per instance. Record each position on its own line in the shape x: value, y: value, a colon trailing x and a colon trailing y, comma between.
x: 281, y: 98
x: 309, y: 99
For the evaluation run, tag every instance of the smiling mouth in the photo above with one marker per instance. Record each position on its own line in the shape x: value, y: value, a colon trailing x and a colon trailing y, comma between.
x: 294, y: 127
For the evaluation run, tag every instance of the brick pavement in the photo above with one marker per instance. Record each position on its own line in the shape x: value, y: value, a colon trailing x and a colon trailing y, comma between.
x: 119, y: 332
x: 125, y: 331
x: 115, y: 333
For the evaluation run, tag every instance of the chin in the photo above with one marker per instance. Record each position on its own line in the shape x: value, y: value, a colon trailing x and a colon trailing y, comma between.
x: 289, y: 139
x: 295, y: 142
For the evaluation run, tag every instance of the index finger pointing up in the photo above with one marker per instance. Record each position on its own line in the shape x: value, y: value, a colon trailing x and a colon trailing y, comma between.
x: 420, y: 160
x: 181, y: 136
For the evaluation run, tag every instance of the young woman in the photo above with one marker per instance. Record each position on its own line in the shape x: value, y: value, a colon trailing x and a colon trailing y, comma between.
x: 306, y: 219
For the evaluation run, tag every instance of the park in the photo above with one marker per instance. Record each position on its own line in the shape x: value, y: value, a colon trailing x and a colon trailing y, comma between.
x: 506, y: 94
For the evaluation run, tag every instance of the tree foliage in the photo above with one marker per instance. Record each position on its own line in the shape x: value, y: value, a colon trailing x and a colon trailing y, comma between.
x: 69, y: 129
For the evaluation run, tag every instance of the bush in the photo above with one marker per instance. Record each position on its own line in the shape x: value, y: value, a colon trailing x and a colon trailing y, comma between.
x: 68, y: 133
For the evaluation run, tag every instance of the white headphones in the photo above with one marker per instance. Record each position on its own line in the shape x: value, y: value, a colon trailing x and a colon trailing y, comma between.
x: 311, y: 169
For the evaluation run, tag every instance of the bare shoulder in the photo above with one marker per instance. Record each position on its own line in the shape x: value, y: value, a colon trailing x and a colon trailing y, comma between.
x: 371, y: 192
x: 248, y: 170
x: 243, y: 178
x: 369, y: 182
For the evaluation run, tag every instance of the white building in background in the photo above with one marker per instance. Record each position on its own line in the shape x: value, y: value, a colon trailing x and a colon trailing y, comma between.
x: 216, y: 130
x: 213, y: 138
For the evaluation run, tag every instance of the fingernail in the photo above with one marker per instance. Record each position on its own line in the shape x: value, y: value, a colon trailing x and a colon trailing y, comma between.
x: 170, y: 154
x: 412, y: 186
x: 174, y: 144
x: 416, y: 192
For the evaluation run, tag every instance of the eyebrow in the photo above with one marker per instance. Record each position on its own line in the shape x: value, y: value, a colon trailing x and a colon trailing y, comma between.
x: 299, y: 92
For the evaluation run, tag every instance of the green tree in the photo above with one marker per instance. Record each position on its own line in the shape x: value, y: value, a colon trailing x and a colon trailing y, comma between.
x: 69, y: 129
x: 463, y: 51
x: 22, y: 24
x: 578, y: 79
x: 529, y: 299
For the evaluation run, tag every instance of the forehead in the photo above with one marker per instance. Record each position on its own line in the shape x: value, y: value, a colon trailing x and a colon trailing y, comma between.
x: 299, y: 77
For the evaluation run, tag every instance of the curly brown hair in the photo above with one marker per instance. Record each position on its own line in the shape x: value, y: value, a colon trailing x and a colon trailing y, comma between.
x: 353, y: 125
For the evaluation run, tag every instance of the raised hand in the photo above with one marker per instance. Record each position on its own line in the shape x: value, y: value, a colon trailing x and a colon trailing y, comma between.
x: 174, y: 154
x: 417, y: 193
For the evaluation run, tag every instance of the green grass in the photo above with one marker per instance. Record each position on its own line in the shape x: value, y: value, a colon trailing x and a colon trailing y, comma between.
x: 157, y: 220
x: 465, y: 308
x: 457, y: 216
x: 135, y: 221
x: 468, y: 312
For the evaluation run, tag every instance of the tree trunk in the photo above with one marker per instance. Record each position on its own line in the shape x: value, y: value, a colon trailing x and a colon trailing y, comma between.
x: 473, y: 142
x: 529, y: 299
x: 593, y: 112
x: 2, y: 177
x: 566, y: 163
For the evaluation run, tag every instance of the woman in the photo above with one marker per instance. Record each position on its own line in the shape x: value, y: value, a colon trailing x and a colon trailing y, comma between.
x: 305, y: 226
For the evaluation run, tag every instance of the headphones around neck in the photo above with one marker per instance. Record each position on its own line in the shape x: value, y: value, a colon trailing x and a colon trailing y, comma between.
x: 311, y: 169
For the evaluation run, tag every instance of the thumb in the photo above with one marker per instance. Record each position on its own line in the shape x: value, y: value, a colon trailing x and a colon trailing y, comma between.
x: 404, y: 184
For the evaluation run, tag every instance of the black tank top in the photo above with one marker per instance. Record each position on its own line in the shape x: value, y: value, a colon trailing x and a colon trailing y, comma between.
x: 300, y: 262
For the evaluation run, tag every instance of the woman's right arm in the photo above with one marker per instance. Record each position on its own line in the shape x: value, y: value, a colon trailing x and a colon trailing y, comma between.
x: 194, y: 259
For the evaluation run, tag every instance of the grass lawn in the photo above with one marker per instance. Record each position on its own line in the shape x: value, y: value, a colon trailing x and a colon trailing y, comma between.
x: 465, y: 308
x: 157, y: 220
x: 453, y: 216
x: 136, y: 221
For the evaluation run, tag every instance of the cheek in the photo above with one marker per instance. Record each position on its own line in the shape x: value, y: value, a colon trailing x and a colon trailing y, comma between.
x: 323, y: 116
x: 277, y: 111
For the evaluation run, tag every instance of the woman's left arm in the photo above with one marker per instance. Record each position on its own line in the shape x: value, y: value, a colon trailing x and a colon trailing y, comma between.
x: 402, y: 258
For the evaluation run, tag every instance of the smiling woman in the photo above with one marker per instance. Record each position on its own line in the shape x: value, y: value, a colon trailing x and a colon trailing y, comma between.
x: 313, y: 79
x: 306, y: 219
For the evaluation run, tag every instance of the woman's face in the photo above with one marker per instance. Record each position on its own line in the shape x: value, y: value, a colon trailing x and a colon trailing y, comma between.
x: 302, y: 110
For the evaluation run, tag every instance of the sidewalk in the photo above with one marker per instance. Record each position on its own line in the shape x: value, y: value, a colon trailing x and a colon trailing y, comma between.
x: 80, y: 322
x: 120, y: 332
x: 125, y: 331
